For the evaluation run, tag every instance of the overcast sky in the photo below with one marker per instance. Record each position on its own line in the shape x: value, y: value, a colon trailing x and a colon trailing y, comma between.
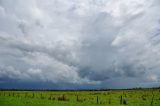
x: 79, y: 44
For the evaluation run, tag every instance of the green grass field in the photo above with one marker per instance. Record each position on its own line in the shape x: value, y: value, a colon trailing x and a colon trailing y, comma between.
x: 146, y: 97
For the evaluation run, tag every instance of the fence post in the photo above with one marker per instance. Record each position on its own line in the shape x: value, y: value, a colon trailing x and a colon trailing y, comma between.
x: 152, y: 99
x: 77, y: 98
x: 121, y: 100
x: 97, y: 100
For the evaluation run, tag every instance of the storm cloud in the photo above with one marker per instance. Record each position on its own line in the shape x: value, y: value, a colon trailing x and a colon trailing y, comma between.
x: 80, y: 44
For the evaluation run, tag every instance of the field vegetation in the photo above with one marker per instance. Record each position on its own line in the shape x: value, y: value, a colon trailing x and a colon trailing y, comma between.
x: 136, y: 97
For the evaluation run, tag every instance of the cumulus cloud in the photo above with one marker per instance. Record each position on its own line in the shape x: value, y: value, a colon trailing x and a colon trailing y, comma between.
x: 83, y: 43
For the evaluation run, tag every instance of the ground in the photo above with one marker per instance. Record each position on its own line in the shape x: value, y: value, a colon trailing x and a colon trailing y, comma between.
x: 139, y: 97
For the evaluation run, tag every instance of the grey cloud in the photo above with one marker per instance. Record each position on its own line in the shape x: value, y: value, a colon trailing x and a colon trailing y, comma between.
x: 23, y: 27
x: 80, y: 42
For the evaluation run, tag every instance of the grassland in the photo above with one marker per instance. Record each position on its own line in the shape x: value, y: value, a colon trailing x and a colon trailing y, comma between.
x: 143, y: 97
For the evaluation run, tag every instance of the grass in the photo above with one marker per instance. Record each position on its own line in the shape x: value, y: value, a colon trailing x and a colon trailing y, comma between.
x: 81, y: 98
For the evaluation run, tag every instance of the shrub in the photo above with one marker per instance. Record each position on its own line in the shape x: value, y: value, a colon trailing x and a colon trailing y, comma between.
x: 124, y: 102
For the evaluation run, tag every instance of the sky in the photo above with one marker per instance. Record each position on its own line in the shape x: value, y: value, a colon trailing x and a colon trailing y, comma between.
x: 79, y: 44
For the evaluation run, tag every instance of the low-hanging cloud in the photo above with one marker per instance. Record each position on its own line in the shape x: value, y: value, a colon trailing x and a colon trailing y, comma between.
x: 82, y: 43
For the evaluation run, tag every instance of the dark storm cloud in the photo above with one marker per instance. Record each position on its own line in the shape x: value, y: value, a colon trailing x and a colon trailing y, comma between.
x: 72, y: 44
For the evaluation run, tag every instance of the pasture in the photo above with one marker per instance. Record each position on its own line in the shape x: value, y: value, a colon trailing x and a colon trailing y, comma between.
x: 139, y: 97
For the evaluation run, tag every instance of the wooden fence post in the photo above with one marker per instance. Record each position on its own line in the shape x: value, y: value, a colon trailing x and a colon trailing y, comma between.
x: 152, y: 99
x: 121, y: 100
x: 97, y: 100
x: 77, y: 98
